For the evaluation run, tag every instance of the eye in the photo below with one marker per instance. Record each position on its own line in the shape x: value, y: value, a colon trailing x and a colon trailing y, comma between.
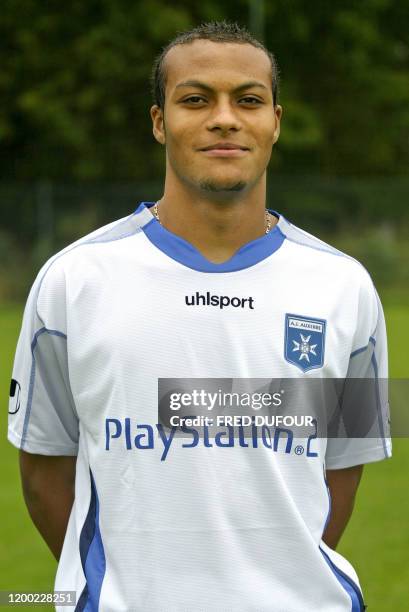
x: 194, y: 99
x: 251, y: 100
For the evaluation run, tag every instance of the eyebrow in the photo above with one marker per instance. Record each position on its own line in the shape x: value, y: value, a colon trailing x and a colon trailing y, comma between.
x: 201, y: 85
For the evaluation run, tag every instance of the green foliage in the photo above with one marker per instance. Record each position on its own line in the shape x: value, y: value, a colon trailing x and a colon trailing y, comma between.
x: 75, y: 91
x: 78, y: 97
x: 75, y: 107
x: 14, y: 273
x: 381, y: 253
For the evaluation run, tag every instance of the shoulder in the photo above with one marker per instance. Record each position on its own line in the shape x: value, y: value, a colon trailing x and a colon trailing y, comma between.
x: 115, y: 231
x: 312, y: 251
x: 315, y: 258
x: 49, y: 285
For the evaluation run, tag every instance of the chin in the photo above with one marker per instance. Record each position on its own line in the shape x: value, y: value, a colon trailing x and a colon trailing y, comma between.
x: 213, y: 186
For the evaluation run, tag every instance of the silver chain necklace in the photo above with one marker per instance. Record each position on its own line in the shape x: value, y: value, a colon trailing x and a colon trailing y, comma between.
x: 267, y: 216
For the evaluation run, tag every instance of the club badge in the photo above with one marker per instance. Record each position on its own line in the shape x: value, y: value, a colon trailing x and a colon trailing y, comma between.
x: 304, y: 341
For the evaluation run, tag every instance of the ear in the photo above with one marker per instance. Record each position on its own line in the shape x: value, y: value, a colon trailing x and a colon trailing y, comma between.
x: 158, y: 124
x: 278, y: 112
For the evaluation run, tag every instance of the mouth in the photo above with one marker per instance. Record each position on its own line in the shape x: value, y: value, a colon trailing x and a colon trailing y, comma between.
x: 225, y: 149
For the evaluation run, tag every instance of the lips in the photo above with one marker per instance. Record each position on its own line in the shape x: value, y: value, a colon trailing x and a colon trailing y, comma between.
x: 228, y: 146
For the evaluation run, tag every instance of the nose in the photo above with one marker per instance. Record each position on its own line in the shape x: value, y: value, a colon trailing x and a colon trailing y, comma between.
x: 223, y: 117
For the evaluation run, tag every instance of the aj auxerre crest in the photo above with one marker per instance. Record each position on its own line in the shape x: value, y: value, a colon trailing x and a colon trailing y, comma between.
x: 304, y: 341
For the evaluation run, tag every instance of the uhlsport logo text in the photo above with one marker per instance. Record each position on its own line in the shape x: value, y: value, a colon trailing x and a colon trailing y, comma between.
x: 220, y: 301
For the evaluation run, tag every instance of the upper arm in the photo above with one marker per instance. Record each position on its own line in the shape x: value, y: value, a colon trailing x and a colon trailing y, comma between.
x: 40, y: 471
x: 42, y: 412
x: 364, y: 432
x: 345, y: 480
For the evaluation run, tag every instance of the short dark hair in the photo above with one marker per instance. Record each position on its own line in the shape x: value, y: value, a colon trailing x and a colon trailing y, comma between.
x: 216, y: 31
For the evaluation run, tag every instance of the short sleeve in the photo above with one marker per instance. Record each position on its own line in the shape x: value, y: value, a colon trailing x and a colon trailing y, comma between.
x: 364, y: 407
x: 42, y: 416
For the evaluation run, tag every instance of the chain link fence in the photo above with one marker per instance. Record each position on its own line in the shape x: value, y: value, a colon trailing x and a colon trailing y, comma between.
x: 368, y: 219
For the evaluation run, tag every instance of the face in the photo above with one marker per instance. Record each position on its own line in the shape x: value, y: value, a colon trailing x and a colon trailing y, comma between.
x: 217, y: 94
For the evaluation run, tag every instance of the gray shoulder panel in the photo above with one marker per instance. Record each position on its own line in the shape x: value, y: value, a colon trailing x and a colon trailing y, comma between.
x: 299, y: 236
x: 127, y: 227
x: 50, y: 386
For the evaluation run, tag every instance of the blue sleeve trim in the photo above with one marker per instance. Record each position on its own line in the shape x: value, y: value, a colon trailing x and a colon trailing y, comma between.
x: 329, y: 503
x: 379, y: 406
x: 363, y: 348
x: 43, y: 330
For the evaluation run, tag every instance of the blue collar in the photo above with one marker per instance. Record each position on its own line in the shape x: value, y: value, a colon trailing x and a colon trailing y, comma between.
x: 185, y: 253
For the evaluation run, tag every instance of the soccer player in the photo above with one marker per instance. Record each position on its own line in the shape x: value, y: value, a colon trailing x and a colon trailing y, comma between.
x: 204, y: 284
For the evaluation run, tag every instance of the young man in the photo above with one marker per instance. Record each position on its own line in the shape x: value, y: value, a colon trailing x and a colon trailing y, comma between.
x: 204, y: 284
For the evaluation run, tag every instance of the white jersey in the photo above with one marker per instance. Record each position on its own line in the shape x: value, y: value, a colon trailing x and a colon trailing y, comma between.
x: 187, y: 524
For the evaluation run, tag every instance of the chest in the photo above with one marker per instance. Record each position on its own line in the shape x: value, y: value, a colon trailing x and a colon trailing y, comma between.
x: 266, y: 324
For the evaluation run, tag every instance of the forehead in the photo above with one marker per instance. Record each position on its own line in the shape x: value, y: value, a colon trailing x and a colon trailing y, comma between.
x: 217, y: 63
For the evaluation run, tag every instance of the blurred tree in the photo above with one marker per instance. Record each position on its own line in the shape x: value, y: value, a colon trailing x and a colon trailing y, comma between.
x: 345, y: 71
x: 75, y: 85
x: 75, y: 93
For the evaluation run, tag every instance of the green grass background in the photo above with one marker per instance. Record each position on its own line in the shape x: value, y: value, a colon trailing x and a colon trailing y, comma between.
x: 377, y: 537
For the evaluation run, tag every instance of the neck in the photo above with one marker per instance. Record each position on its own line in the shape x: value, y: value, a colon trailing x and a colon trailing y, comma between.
x: 217, y: 226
